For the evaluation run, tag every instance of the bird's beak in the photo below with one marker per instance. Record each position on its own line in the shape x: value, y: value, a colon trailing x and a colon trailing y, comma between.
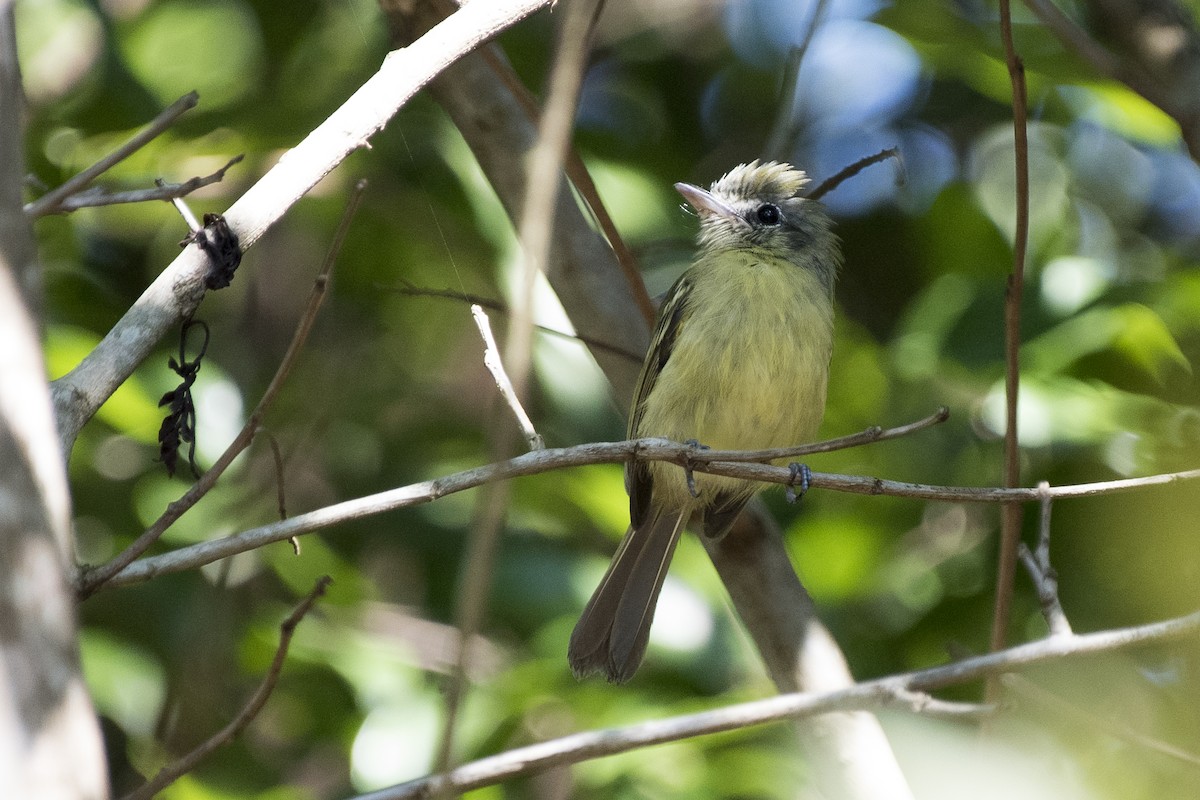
x: 704, y: 202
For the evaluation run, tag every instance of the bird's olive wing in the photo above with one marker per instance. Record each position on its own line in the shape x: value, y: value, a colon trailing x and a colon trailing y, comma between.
x: 670, y: 317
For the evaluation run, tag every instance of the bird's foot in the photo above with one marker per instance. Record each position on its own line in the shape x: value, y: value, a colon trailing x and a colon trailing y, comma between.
x: 687, y: 467
x: 802, y: 477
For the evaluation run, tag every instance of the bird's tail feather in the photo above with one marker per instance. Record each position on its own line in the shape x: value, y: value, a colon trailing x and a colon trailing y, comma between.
x: 612, y: 632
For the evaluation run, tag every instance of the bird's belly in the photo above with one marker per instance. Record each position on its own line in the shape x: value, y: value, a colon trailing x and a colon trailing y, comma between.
x: 741, y: 379
x: 753, y: 401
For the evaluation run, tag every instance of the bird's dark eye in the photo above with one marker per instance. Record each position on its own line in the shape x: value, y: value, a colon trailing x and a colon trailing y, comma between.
x: 768, y: 214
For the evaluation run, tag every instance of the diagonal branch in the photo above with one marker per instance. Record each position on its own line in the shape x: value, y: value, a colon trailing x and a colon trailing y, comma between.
x: 495, y: 365
x: 89, y: 580
x: 51, y: 202
x: 177, y: 769
x: 180, y: 287
x: 890, y: 692
x: 98, y: 196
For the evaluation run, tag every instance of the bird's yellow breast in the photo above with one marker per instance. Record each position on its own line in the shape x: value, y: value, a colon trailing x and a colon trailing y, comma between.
x: 749, y: 365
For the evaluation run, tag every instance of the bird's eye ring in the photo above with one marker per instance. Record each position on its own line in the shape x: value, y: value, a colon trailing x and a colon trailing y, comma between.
x: 769, y: 214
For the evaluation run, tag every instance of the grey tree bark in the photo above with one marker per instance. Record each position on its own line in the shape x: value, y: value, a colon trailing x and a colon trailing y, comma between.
x: 50, y: 745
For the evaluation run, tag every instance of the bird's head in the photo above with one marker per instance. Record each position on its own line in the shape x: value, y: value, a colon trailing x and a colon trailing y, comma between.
x: 758, y: 207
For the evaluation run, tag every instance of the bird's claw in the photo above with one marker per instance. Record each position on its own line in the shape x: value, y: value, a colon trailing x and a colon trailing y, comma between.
x: 800, y: 474
x: 687, y: 467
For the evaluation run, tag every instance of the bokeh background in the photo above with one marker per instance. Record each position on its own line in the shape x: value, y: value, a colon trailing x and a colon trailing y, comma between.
x: 391, y: 390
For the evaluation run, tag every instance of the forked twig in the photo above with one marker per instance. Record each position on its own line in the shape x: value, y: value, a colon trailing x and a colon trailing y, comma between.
x: 98, y: 196
x: 52, y: 200
x: 1042, y: 573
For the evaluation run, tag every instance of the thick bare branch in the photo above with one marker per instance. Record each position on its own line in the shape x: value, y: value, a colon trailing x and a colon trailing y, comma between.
x: 180, y: 287
x: 50, y: 743
x: 847, y: 751
x: 90, y: 579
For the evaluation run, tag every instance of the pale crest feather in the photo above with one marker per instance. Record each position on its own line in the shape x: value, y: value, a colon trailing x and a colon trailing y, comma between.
x: 772, y: 179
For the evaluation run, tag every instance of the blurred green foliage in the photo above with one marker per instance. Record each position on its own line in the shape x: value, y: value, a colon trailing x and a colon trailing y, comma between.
x: 391, y: 390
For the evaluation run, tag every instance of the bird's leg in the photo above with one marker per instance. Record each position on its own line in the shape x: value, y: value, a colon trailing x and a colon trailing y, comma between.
x: 800, y: 474
x: 687, y: 466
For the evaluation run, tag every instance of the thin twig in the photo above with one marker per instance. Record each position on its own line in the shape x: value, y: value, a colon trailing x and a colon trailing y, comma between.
x: 90, y: 579
x: 177, y: 769
x: 490, y: 304
x: 876, y: 694
x: 927, y: 705
x: 280, y: 486
x: 189, y: 217
x: 1010, y: 529
x: 539, y: 461
x: 52, y: 200
x: 99, y: 196
x: 829, y: 184
x: 492, y: 360
x: 581, y: 179
x: 1042, y: 573
x: 867, y: 436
